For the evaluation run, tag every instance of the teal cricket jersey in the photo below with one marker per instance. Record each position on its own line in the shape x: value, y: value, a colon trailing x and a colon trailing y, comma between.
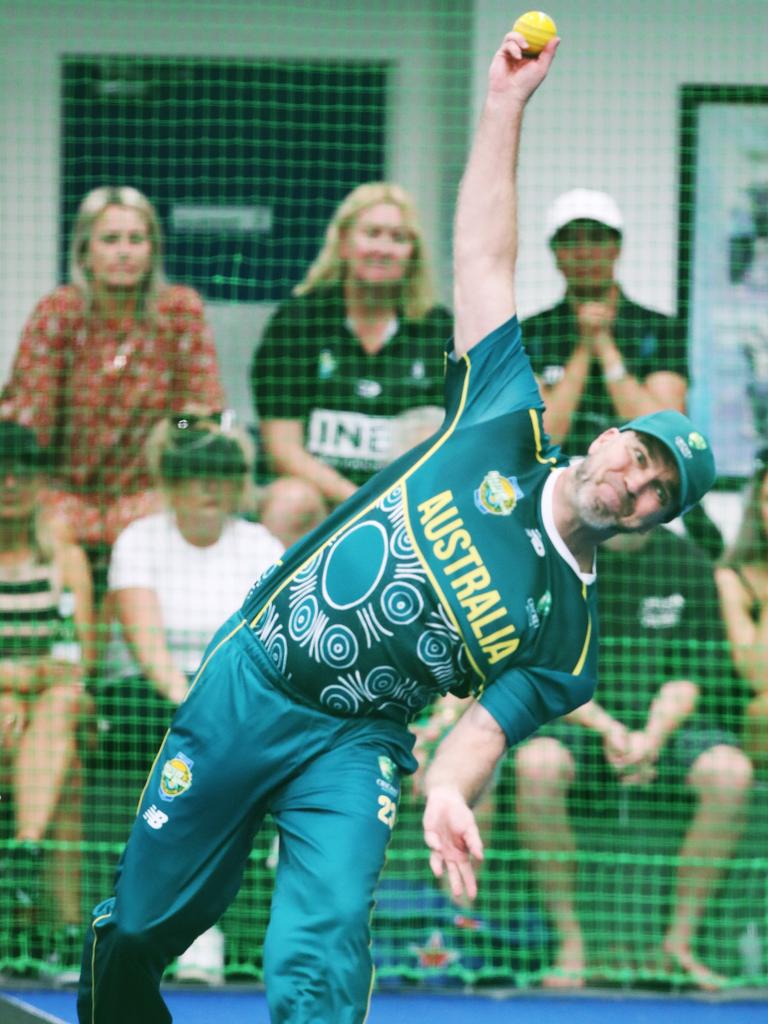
x: 445, y: 572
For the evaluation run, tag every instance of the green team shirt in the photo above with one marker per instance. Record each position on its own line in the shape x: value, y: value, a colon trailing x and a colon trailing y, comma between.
x: 444, y: 573
x: 310, y: 367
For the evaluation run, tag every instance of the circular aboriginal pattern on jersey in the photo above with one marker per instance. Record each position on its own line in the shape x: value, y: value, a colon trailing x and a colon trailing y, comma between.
x: 302, y: 618
x: 340, y: 699
x: 400, y: 543
x: 355, y: 565
x: 338, y: 646
x: 382, y: 681
x: 401, y: 603
x: 308, y: 570
x: 277, y: 651
x: 434, y: 649
x: 391, y: 500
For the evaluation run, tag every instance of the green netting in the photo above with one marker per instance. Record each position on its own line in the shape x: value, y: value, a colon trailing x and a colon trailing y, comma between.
x: 244, y: 126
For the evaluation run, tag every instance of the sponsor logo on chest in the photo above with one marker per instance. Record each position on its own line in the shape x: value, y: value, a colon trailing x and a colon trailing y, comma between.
x: 662, y: 611
x: 349, y: 435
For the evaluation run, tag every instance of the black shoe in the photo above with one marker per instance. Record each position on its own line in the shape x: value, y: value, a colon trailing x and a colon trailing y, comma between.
x: 24, y: 878
x: 25, y: 954
x: 20, y: 898
x: 62, y: 964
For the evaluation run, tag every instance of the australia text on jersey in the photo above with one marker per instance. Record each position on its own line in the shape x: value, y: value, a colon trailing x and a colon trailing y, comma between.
x: 445, y: 530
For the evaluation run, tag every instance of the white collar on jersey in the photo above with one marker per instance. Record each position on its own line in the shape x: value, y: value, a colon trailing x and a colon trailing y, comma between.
x: 548, y: 516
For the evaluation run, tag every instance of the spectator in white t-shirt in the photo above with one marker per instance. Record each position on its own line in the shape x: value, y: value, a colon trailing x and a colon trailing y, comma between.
x: 174, y: 577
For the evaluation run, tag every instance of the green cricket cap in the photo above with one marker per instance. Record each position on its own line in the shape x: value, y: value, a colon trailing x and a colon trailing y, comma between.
x: 690, y: 449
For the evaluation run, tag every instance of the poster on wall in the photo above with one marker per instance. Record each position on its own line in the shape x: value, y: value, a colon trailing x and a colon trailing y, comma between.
x: 243, y: 181
x: 723, y: 266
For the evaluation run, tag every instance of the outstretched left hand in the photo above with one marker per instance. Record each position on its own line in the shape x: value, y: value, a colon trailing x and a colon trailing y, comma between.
x: 452, y: 835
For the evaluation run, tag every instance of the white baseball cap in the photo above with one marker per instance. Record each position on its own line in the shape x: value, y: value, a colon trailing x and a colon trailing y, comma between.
x: 583, y: 204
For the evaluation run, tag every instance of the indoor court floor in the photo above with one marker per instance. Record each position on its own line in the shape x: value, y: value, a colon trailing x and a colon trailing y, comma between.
x: 248, y: 1006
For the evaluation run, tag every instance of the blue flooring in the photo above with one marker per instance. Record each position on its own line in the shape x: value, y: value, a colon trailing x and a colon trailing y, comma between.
x: 232, y: 1007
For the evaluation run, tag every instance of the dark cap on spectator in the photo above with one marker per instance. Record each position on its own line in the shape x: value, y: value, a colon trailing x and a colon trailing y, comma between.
x: 20, y: 450
x: 196, y: 453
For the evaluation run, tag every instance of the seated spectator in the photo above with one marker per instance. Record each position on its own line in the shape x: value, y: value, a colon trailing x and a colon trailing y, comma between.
x: 361, y: 342
x: 742, y: 580
x: 174, y: 577
x: 290, y: 507
x: 45, y: 616
x: 102, y: 358
x: 601, y: 358
x: 652, y: 717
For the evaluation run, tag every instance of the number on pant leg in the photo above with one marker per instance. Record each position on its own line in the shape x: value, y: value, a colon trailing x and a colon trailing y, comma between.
x: 387, y: 810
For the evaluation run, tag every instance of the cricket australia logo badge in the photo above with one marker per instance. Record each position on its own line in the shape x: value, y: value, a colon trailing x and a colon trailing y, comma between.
x: 387, y: 767
x: 176, y: 777
x: 498, y: 495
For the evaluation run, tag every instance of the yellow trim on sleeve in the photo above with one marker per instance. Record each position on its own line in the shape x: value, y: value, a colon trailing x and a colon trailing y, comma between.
x: 550, y: 460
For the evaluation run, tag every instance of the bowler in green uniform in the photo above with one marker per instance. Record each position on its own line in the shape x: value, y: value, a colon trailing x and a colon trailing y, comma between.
x: 466, y: 567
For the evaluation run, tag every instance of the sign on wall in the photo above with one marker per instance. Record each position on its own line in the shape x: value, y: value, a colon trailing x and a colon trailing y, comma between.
x: 245, y: 160
x: 723, y: 260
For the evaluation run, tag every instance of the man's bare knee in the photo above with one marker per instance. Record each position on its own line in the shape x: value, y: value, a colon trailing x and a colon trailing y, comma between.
x: 722, y: 770
x: 544, y: 760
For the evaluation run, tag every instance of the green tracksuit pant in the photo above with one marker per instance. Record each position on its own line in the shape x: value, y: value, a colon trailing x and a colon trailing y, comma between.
x: 237, y: 749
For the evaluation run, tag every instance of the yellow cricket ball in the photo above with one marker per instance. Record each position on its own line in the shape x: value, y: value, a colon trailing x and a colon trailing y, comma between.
x: 538, y: 28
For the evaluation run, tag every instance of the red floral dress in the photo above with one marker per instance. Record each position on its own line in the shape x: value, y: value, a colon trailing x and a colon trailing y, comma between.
x: 92, y: 387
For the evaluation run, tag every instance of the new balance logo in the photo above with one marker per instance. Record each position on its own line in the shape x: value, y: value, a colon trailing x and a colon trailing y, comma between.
x: 538, y: 544
x: 154, y: 817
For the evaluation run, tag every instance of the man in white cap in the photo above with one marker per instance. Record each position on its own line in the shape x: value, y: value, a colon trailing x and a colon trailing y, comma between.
x: 601, y: 359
